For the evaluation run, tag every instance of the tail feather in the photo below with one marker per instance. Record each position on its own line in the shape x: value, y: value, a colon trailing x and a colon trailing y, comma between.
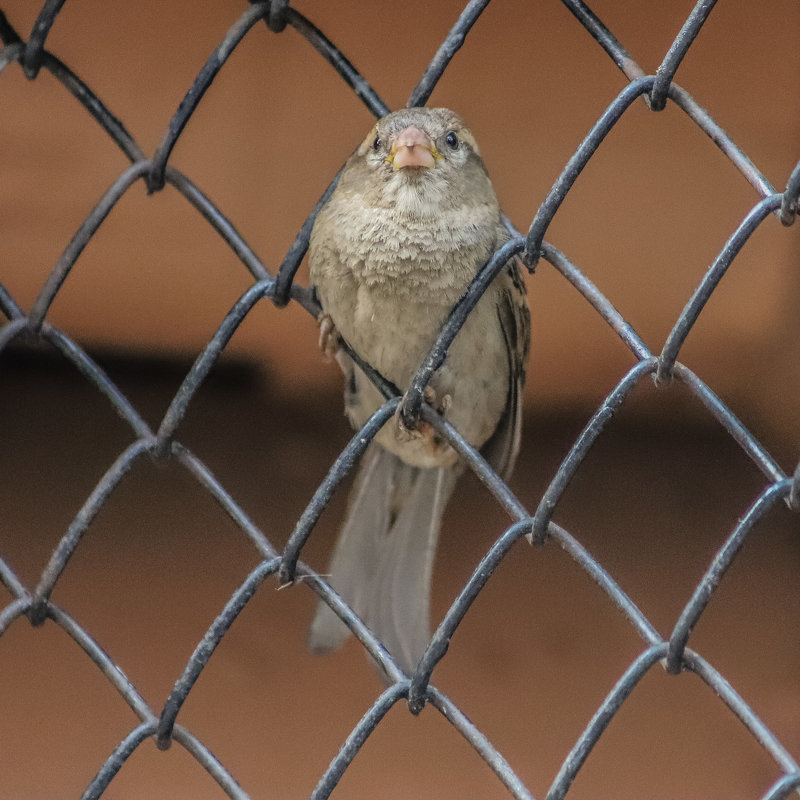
x: 399, y: 610
x: 355, y: 557
x: 383, y: 560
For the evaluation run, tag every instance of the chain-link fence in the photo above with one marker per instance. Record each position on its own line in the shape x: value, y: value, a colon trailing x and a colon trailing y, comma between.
x: 419, y: 689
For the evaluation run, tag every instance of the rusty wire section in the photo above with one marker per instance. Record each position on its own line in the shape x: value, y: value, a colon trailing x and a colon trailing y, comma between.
x: 280, y: 288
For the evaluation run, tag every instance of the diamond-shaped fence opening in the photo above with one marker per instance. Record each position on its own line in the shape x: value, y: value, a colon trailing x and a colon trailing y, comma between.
x: 149, y: 459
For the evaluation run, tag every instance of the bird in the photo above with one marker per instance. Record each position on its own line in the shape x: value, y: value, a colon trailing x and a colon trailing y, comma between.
x: 413, y: 218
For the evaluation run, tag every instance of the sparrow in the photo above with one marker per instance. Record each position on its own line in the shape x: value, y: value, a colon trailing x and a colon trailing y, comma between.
x: 413, y: 218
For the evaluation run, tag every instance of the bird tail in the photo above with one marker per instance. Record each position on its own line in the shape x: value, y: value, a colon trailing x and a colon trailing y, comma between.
x: 383, y: 559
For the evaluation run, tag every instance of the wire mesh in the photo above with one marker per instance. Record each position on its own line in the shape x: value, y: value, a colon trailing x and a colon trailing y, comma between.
x: 281, y: 288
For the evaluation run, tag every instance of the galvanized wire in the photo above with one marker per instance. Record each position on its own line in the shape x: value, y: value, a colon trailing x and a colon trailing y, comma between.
x: 279, y: 287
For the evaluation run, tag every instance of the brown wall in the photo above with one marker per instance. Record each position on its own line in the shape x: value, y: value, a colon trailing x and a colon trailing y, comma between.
x: 649, y: 214
x: 653, y: 503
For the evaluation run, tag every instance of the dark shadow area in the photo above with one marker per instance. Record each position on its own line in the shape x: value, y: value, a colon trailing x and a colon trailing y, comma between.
x: 532, y: 661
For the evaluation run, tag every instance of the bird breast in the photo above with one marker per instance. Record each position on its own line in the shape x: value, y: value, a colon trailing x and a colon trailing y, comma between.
x: 384, y: 264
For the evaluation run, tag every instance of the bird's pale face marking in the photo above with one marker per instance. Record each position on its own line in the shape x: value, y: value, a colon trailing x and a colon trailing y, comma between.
x: 419, y: 161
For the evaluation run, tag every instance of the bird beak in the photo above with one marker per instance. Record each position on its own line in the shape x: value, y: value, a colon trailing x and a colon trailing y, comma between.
x: 412, y: 147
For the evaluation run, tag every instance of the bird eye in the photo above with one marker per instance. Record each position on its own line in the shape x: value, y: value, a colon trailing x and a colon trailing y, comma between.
x: 451, y: 140
x: 376, y: 145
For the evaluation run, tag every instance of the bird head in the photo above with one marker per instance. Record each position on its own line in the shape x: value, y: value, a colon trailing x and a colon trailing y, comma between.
x: 419, y: 161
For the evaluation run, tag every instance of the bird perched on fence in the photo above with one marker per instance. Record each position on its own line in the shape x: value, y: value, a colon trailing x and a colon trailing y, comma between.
x: 411, y: 221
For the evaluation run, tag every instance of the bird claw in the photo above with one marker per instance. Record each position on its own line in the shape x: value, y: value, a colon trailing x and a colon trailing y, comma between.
x: 329, y: 342
x: 441, y: 407
x: 423, y: 430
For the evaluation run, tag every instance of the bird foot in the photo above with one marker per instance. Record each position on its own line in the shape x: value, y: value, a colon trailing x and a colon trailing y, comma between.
x: 424, y: 430
x: 329, y: 341
x: 442, y: 406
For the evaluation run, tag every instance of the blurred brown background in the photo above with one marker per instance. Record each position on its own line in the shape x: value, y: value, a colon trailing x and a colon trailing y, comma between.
x: 654, y: 501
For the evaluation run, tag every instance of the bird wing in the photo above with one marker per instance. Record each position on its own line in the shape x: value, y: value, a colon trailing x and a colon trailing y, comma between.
x: 514, y: 317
